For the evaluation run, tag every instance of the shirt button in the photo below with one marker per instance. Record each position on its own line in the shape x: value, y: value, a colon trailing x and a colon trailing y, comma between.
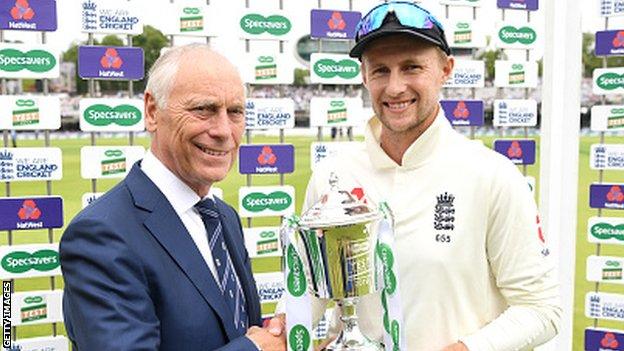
x: 231, y: 294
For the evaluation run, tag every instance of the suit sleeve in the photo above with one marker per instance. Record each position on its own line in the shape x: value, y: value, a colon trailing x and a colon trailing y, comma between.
x: 106, y: 290
x: 523, y: 269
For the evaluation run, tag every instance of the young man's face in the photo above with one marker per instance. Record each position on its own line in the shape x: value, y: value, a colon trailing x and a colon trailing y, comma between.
x: 404, y: 76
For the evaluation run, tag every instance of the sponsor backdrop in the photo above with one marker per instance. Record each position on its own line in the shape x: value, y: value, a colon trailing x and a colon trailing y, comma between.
x: 194, y: 18
x: 604, y: 303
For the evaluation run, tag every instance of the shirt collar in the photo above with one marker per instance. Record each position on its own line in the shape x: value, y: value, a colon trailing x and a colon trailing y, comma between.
x: 421, y: 150
x: 180, y: 195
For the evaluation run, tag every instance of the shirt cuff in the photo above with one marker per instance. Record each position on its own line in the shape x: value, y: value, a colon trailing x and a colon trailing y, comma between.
x: 255, y: 344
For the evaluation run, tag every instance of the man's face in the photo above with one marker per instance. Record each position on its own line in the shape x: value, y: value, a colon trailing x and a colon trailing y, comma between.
x: 404, y: 77
x: 198, y: 133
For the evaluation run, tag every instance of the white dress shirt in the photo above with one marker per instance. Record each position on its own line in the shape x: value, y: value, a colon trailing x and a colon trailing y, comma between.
x: 183, y: 199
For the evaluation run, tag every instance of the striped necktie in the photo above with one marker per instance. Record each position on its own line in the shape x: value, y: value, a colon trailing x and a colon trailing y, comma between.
x: 227, y: 279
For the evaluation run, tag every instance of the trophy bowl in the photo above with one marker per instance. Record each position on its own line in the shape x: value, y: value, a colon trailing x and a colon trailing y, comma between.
x: 336, y: 240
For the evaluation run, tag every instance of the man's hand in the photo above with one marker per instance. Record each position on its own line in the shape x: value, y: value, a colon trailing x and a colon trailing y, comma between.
x: 458, y: 346
x: 266, y: 340
x: 277, y: 325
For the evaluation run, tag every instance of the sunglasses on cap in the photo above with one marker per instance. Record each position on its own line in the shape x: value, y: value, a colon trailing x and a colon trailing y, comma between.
x: 407, y: 13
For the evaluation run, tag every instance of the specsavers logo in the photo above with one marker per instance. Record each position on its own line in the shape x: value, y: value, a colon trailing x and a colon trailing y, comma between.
x: 275, y: 201
x: 296, y: 281
x: 13, y: 60
x: 103, y: 115
x: 328, y: 68
x: 21, y: 262
x: 511, y: 35
x: 299, y: 338
x: 605, y: 231
x: 114, y: 162
x: 25, y: 112
x: 610, y: 81
x: 254, y: 23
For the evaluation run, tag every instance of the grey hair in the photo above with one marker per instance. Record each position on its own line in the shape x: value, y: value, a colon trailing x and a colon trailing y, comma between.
x: 162, y: 74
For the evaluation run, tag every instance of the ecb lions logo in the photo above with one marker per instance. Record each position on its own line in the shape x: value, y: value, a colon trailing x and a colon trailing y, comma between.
x: 444, y: 216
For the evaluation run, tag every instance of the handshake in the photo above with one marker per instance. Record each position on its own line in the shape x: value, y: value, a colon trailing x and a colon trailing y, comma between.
x: 273, y: 335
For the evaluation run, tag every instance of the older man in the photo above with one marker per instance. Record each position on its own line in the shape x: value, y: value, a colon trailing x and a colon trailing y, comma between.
x: 473, y: 267
x: 157, y: 263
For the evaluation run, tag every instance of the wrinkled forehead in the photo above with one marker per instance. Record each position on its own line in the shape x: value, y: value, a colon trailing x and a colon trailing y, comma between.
x: 203, y: 71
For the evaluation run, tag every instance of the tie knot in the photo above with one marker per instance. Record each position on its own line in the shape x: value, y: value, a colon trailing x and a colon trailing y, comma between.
x: 207, y: 207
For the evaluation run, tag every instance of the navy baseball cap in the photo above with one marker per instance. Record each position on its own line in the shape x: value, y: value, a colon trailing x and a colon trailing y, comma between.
x: 396, y: 17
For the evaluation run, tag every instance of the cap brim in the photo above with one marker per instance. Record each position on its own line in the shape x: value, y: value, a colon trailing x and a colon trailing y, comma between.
x: 359, y: 48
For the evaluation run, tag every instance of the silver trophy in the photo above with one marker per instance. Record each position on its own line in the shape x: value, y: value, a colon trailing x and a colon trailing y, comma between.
x: 336, y: 241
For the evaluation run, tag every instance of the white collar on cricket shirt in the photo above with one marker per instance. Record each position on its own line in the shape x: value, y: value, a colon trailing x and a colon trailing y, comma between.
x: 422, y: 149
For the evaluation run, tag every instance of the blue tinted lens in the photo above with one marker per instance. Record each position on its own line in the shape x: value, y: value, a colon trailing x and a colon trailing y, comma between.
x: 408, y: 14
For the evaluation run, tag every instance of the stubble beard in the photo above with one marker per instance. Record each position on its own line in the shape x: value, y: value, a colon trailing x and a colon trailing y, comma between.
x: 414, y: 127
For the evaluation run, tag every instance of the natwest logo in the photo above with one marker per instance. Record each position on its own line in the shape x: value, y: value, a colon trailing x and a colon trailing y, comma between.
x: 101, y: 62
x: 29, y: 211
x: 336, y: 22
x: 111, y: 59
x: 615, y: 194
x: 461, y: 110
x: 22, y: 11
x: 267, y: 157
x: 609, y: 341
x: 514, y: 150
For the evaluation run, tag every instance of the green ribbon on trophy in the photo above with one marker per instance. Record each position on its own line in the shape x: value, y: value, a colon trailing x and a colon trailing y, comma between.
x: 298, y: 304
x: 394, y: 338
x: 341, y: 249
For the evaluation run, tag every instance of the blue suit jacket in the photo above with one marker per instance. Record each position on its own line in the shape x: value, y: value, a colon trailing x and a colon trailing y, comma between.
x: 134, y: 279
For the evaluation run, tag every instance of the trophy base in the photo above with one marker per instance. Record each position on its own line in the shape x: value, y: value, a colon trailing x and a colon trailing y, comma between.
x: 351, y: 338
x: 354, y: 345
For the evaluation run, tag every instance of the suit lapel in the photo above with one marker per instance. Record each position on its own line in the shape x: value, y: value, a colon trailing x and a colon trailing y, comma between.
x: 167, y: 228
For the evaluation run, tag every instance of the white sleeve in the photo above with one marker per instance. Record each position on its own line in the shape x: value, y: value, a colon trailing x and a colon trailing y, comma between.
x: 318, y: 305
x: 522, y: 267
